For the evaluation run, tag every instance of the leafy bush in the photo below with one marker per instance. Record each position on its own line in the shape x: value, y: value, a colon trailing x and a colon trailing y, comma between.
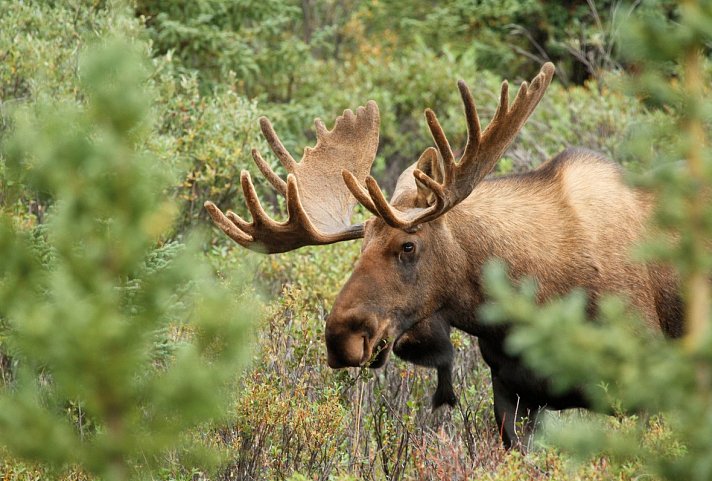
x: 205, y: 140
x: 251, y: 39
x: 39, y: 53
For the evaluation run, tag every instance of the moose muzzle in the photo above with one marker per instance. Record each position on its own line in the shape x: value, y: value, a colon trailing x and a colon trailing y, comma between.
x: 355, y: 338
x: 345, y: 347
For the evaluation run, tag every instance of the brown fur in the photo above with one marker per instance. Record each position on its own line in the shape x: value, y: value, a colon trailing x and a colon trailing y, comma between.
x: 570, y: 223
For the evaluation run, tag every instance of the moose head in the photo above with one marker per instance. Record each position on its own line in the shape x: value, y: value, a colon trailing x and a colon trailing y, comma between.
x: 399, y: 279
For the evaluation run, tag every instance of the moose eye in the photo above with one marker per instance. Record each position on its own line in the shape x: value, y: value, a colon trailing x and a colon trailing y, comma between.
x: 408, y: 247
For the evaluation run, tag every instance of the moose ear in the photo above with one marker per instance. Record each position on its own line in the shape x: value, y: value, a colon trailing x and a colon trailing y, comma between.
x: 430, y: 163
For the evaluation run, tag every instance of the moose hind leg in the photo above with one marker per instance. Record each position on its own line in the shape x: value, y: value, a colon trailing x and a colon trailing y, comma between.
x: 515, y: 419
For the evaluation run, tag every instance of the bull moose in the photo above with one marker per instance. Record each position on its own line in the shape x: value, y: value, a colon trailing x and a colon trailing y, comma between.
x: 569, y: 223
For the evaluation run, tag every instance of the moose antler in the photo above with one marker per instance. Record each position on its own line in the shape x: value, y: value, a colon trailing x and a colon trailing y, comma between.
x: 457, y: 180
x: 318, y: 203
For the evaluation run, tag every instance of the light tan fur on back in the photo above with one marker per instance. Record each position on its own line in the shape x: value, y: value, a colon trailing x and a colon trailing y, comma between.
x: 570, y: 223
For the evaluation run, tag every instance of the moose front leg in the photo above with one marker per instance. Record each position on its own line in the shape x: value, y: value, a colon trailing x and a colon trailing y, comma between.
x: 428, y: 344
x: 515, y: 418
x: 444, y: 392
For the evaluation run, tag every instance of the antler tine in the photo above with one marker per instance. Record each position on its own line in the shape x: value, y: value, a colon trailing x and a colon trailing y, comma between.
x: 321, y: 129
x: 295, y: 209
x: 440, y: 139
x: 259, y: 216
x: 269, y: 174
x: 372, y: 198
x: 358, y: 191
x: 520, y: 99
x: 474, y: 130
x: 241, y: 223
x: 503, y: 105
x: 508, y: 120
x: 384, y: 209
x: 253, y: 203
x: 276, y: 145
x: 227, y: 226
x: 435, y: 187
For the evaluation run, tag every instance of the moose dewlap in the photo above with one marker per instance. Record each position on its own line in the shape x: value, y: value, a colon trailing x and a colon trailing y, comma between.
x: 569, y: 224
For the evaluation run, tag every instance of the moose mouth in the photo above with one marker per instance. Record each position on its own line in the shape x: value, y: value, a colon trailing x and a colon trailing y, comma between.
x: 380, y: 354
x: 382, y: 349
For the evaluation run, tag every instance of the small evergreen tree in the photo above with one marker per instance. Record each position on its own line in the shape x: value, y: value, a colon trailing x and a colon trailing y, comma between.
x: 120, y: 343
x: 620, y: 367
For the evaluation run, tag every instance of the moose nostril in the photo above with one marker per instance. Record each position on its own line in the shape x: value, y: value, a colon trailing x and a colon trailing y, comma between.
x: 366, y: 352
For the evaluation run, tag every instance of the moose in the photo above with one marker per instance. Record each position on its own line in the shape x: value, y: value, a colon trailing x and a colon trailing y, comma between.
x: 570, y: 223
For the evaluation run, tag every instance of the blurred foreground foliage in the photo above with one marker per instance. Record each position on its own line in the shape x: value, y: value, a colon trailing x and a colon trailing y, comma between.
x: 109, y: 311
x: 115, y: 343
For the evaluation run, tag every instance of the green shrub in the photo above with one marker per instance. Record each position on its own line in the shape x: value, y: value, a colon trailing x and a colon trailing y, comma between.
x: 206, y: 140
x: 251, y: 39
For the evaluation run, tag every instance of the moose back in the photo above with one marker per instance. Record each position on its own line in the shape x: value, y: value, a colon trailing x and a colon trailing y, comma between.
x: 568, y: 224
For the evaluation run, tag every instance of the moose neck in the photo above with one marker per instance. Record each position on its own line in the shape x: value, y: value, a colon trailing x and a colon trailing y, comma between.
x: 521, y: 219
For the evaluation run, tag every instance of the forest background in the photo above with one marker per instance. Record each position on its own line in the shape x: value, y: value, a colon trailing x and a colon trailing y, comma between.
x: 138, y: 342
